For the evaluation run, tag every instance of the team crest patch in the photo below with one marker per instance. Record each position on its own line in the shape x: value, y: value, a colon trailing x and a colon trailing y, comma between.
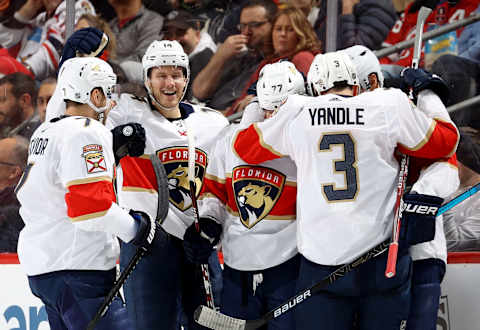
x: 256, y: 190
x: 94, y: 159
x: 175, y: 161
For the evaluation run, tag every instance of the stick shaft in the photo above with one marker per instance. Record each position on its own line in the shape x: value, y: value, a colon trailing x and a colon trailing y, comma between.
x: 193, y: 195
x: 390, y: 269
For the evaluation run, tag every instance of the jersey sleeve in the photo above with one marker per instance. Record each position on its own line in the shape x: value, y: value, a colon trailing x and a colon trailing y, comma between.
x: 418, y: 132
x: 128, y: 109
x: 428, y: 182
x: 86, y: 170
x: 214, y: 193
x: 267, y: 140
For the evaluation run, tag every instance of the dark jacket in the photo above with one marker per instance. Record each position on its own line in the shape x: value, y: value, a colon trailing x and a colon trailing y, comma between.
x: 369, y: 25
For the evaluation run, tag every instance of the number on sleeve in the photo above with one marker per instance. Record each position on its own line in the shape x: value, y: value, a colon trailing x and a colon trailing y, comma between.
x: 24, y: 177
x: 346, y: 165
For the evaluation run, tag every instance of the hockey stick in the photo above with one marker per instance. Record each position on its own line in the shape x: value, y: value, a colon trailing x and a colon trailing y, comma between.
x: 116, y: 288
x: 162, y: 211
x: 390, y: 269
x: 215, y: 320
x: 193, y: 195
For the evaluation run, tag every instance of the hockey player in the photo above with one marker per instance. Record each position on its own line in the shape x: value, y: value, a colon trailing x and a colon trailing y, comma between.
x: 153, y: 289
x: 69, y: 247
x: 256, y: 205
x: 344, y: 151
x: 429, y: 258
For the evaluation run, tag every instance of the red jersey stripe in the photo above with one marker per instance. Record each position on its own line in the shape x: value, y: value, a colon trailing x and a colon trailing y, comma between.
x: 89, y: 200
x: 138, y: 173
x: 441, y: 136
x: 253, y: 149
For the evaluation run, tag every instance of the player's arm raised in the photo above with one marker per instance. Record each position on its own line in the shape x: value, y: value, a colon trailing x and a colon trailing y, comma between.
x: 268, y: 140
x: 425, y: 131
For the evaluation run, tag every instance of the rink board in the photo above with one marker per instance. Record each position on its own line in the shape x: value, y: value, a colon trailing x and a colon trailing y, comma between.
x: 459, y: 305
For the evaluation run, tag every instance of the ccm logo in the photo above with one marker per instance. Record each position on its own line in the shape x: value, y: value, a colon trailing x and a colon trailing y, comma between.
x: 420, y: 209
x: 295, y: 300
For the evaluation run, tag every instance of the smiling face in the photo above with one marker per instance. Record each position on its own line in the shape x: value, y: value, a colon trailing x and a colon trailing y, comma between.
x: 284, y: 37
x: 167, y: 84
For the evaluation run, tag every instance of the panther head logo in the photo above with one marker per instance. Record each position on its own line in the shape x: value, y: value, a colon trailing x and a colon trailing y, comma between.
x: 255, y: 201
x: 178, y: 182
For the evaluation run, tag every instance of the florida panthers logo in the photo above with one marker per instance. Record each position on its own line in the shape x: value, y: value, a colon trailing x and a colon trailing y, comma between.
x: 256, y: 189
x: 175, y: 160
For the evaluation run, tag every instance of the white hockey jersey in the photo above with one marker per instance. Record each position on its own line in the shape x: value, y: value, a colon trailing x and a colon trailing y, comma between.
x: 39, y: 42
x: 169, y: 141
x: 256, y: 205
x: 439, y: 179
x: 344, y: 151
x: 68, y: 199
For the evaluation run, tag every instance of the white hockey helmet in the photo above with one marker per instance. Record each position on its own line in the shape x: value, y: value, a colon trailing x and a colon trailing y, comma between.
x: 165, y: 53
x: 366, y: 63
x: 276, y: 81
x: 80, y: 75
x: 328, y: 70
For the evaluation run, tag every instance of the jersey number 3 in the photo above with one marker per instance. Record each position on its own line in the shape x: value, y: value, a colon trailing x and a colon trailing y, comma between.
x: 347, y: 165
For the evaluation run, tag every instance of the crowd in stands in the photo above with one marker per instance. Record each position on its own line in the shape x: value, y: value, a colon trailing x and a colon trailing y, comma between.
x: 228, y: 43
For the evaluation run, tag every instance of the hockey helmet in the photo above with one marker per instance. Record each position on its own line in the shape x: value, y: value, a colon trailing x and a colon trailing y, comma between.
x: 80, y: 75
x: 276, y: 81
x: 328, y: 70
x: 165, y: 53
x: 366, y: 63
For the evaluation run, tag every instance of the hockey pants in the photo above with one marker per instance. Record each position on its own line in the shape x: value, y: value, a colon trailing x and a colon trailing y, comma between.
x: 250, y: 294
x: 427, y: 276
x: 72, y: 299
x: 364, y: 296
x: 153, y: 289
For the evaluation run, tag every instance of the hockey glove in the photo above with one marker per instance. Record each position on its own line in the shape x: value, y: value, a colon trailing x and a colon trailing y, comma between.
x: 198, y: 246
x: 418, y: 218
x: 146, y: 230
x: 128, y: 139
x: 88, y: 41
x: 419, y: 79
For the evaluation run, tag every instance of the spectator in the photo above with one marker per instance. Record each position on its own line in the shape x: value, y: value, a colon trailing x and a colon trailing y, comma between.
x: 462, y: 74
x: 198, y: 45
x: 45, y: 92
x: 13, y: 158
x: 135, y: 28
x: 293, y: 40
x: 223, y: 79
x: 35, y: 34
x: 17, y: 105
x: 462, y: 222
x: 360, y: 22
x: 404, y: 29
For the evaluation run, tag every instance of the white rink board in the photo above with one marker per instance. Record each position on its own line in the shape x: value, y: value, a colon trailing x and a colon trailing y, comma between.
x: 459, y: 305
x: 19, y: 308
x: 460, y: 302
